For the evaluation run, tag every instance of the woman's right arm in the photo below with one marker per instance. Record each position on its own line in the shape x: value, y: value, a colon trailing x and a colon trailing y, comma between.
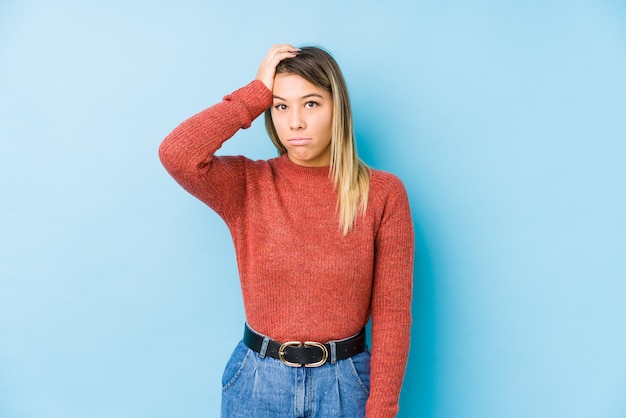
x: 188, y: 151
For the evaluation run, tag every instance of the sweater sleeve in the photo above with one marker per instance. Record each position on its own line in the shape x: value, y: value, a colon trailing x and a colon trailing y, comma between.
x: 187, y: 153
x: 391, y: 302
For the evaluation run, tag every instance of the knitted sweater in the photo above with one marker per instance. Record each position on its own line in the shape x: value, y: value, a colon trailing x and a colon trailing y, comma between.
x: 301, y: 279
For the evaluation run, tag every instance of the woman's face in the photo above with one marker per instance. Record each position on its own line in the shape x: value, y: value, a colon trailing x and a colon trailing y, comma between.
x: 302, y: 114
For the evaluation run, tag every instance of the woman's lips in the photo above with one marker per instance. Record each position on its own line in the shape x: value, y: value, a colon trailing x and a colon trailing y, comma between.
x: 300, y: 141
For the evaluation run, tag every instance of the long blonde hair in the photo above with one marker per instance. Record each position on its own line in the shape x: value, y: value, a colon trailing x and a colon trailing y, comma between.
x: 350, y: 175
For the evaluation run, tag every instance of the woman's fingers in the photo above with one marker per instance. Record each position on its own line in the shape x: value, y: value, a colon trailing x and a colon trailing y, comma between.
x: 277, y: 53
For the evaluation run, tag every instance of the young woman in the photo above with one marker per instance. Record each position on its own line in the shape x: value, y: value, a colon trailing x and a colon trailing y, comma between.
x: 322, y: 243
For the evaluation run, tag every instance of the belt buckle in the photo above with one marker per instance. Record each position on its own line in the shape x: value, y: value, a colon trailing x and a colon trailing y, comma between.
x: 281, y: 353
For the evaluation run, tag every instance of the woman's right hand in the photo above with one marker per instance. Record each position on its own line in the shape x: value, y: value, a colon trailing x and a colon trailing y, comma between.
x: 277, y: 53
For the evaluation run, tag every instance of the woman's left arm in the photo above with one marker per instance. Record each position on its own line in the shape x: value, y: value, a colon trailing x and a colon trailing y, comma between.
x: 391, y: 300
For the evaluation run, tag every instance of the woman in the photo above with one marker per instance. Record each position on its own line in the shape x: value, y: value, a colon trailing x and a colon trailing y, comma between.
x: 322, y: 244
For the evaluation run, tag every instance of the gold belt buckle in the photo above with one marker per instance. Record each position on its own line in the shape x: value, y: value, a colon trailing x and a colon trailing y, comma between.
x: 281, y: 353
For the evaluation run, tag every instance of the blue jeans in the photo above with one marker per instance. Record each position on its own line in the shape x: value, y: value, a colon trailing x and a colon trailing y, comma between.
x: 255, y: 386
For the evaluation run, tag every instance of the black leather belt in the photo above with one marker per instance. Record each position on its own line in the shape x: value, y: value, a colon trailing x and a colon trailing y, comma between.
x: 308, y: 353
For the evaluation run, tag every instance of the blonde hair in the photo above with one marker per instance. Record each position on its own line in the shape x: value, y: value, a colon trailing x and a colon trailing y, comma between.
x: 350, y: 175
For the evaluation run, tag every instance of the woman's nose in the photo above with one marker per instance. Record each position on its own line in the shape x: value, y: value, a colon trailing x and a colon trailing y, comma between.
x: 297, y: 121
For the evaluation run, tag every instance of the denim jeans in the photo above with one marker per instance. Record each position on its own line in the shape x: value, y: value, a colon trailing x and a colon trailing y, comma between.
x: 255, y: 386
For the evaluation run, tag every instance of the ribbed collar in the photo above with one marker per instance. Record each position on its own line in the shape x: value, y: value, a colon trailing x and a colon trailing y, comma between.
x: 287, y: 167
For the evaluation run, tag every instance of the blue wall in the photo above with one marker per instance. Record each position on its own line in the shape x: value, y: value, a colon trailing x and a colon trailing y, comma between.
x: 506, y: 121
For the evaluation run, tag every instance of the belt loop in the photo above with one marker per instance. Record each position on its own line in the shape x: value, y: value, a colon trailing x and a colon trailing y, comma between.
x: 263, y: 350
x: 333, y: 352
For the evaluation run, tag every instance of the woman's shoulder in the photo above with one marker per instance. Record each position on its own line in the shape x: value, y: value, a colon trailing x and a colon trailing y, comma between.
x: 384, y: 181
x: 388, y: 199
x: 386, y: 189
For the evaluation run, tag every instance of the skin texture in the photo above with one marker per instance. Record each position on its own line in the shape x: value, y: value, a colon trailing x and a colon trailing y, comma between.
x: 302, y: 113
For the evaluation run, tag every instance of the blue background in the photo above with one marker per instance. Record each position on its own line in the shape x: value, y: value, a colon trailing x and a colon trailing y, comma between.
x: 506, y: 120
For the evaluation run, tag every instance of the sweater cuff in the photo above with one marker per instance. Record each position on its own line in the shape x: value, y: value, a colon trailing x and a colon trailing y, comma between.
x: 374, y: 409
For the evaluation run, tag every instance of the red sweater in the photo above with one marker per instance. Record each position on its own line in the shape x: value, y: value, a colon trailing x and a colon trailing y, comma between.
x: 301, y: 279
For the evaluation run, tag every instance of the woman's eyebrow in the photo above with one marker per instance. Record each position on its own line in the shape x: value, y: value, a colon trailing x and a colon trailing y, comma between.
x: 312, y: 95
x: 303, y: 97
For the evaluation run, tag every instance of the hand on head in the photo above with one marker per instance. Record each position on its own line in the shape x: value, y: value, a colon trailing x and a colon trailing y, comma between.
x: 277, y: 53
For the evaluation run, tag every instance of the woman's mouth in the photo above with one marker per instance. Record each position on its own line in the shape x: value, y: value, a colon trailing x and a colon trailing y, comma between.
x: 299, y: 141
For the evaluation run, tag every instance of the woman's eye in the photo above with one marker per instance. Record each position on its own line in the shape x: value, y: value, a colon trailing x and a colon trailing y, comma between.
x: 280, y: 106
x: 311, y: 104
